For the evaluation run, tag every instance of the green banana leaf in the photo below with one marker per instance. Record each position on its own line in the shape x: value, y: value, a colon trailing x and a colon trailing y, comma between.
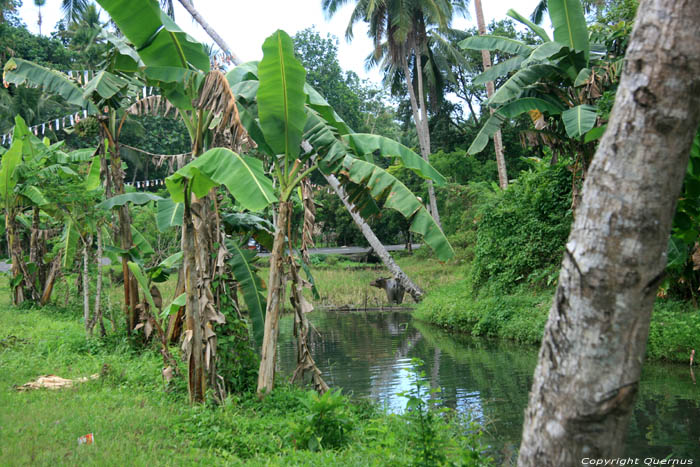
x: 169, y: 214
x: 33, y: 194
x: 156, y: 37
x: 92, y: 180
x: 243, y: 72
x: 137, y: 198
x: 69, y: 243
x: 510, y: 110
x: 143, y: 283
x: 579, y: 120
x: 500, y: 69
x: 488, y: 42
x: 251, y: 285
x: 124, y: 57
x: 281, y: 95
x: 104, y: 85
x: 172, y: 260
x: 179, y: 302
x: 535, y: 28
x: 515, y: 85
x: 595, y: 133
x: 569, y: 24
x: 363, y: 144
x: 582, y: 77
x: 393, y: 194
x: 243, y: 176
x: 18, y: 71
x: 141, y: 245
x: 548, y: 51
x: 317, y: 102
x: 8, y: 180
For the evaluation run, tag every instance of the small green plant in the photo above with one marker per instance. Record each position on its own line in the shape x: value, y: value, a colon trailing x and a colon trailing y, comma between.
x: 327, y: 423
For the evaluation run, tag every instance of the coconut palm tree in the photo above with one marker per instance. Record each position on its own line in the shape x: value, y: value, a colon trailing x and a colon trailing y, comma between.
x: 39, y: 4
x: 486, y: 59
x: 399, y: 31
x: 73, y: 10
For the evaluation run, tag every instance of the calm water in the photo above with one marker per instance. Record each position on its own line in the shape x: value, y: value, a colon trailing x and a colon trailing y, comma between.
x: 366, y: 354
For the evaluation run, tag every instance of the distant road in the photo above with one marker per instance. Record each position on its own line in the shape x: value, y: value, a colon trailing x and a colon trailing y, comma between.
x: 351, y: 250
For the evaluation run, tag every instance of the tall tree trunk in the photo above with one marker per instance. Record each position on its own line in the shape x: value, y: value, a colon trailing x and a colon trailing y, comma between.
x: 276, y: 285
x: 486, y: 60
x: 86, y: 287
x: 415, y: 291
x: 51, y: 280
x: 595, y: 339
x: 420, y: 117
x: 209, y: 30
x: 97, y: 312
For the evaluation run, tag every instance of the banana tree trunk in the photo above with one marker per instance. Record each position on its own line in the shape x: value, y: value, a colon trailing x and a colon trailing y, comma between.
x: 497, y: 139
x: 86, y: 287
x: 275, y: 299
x: 415, y: 291
x: 51, y: 280
x: 16, y: 257
x: 594, y: 342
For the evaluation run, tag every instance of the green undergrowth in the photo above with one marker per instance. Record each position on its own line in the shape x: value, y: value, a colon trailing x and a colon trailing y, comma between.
x: 137, y: 419
x: 521, y: 316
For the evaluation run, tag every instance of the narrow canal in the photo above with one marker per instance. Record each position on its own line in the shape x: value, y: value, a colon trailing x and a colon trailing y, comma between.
x: 367, y: 354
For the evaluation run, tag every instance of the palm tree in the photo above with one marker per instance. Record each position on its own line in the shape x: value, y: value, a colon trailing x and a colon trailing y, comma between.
x: 486, y: 59
x: 39, y: 4
x: 73, y: 10
x: 399, y: 31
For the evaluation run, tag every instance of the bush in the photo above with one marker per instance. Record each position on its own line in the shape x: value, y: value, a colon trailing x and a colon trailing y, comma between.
x: 522, y: 229
x: 327, y: 422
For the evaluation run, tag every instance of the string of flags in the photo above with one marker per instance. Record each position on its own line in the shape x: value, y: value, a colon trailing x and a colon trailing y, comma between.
x: 67, y: 121
x: 147, y: 183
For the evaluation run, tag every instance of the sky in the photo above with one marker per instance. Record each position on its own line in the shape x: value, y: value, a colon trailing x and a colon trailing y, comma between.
x: 244, y: 24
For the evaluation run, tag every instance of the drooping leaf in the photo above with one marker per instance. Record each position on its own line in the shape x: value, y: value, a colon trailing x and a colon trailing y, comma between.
x: 510, y: 110
x: 34, y: 194
x: 363, y: 144
x: 244, y: 72
x: 569, y: 24
x: 281, y: 95
x: 92, y: 181
x: 595, y: 133
x: 18, y: 71
x: 143, y: 283
x: 141, y: 245
x: 579, y: 120
x: 104, y: 86
x: 393, y: 194
x: 125, y: 56
x: 500, y: 69
x: 488, y: 42
x: 677, y: 253
x: 158, y: 40
x: 137, y: 198
x: 251, y: 286
x: 10, y: 160
x: 172, y: 260
x: 317, y: 102
x: 310, y: 278
x: 69, y: 243
x: 546, y: 52
x: 515, y: 85
x: 168, y: 214
x: 178, y: 303
x: 535, y: 28
x: 243, y: 176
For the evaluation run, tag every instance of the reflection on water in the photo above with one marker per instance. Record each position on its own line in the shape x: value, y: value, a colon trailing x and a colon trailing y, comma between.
x: 367, y: 354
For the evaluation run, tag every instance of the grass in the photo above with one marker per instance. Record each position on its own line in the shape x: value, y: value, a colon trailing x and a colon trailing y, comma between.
x: 137, y: 420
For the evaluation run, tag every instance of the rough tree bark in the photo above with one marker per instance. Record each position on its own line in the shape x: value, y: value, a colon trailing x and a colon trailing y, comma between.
x: 415, y: 291
x: 594, y: 341
x: 486, y: 60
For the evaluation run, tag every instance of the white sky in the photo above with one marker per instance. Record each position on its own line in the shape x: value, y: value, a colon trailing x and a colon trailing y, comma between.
x: 245, y: 24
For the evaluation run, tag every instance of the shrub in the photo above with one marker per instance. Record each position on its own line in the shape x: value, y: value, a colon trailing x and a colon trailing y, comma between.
x: 522, y: 229
x: 327, y: 422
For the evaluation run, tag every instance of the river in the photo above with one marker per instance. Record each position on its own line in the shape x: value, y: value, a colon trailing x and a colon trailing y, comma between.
x: 367, y: 354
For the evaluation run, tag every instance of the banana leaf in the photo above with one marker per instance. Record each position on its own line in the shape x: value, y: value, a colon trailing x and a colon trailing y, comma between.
x: 281, y: 95
x: 168, y: 214
x: 579, y: 120
x: 535, y: 28
x: 33, y: 194
x: 8, y: 180
x: 69, y: 243
x: 500, y: 69
x: 510, y: 110
x: 158, y: 40
x: 251, y: 285
x: 515, y: 85
x: 92, y: 180
x: 143, y: 283
x: 243, y: 176
x: 137, y: 198
x: 18, y: 71
x: 569, y: 24
x: 488, y: 42
x: 142, y: 247
x: 105, y: 86
x: 392, y: 194
x: 363, y: 144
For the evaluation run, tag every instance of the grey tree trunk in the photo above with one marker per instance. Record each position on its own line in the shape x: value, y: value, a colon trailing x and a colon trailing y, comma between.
x: 595, y: 339
x: 209, y: 30
x: 86, y: 286
x: 415, y: 291
x: 497, y: 139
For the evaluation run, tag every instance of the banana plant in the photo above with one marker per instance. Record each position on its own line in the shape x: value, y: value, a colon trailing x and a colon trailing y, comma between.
x: 280, y: 111
x: 556, y: 82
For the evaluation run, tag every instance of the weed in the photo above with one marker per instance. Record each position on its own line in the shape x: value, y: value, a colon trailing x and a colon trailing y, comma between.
x: 326, y: 423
